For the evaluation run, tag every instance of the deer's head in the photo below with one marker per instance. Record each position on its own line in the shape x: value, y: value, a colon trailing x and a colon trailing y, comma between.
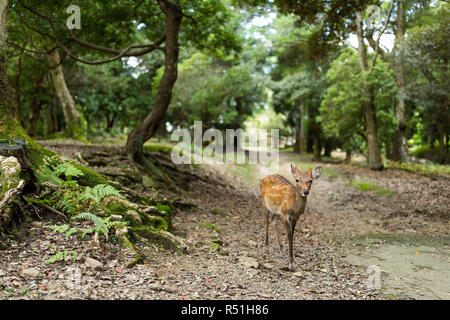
x: 303, y: 180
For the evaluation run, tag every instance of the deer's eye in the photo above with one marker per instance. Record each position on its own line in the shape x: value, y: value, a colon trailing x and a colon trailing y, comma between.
x: 296, y: 180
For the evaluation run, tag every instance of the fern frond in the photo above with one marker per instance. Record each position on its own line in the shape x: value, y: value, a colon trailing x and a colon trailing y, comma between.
x: 99, y: 192
x: 68, y: 170
x: 100, y: 226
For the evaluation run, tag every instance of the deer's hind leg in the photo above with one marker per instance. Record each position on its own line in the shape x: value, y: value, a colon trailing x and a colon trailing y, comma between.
x: 280, y: 246
x: 266, y: 224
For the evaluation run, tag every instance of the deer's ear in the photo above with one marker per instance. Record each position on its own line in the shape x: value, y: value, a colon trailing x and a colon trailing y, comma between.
x: 293, y: 169
x: 316, y: 173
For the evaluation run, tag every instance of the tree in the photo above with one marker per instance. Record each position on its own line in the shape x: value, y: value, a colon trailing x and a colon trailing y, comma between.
x: 300, y: 70
x: 335, y: 20
x: 210, y: 90
x: 426, y: 52
x: 342, y: 114
x: 26, y: 31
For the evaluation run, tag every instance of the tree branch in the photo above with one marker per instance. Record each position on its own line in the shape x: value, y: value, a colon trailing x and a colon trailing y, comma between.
x: 391, y: 7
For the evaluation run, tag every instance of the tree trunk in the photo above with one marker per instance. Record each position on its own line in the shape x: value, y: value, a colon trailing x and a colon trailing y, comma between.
x: 8, y: 103
x: 148, y: 127
x: 374, y: 156
x: 36, y: 105
x: 400, y: 148
x: 302, y: 128
x: 74, y: 126
x: 348, y: 156
x: 441, y: 143
x: 297, y: 135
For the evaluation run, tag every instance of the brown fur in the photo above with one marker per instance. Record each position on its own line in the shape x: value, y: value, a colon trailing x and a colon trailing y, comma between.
x: 283, y: 200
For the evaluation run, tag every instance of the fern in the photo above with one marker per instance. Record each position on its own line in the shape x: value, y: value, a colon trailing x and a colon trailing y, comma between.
x: 47, y: 174
x: 100, y: 226
x: 68, y: 203
x: 68, y: 170
x: 62, y: 256
x: 99, y: 192
x: 63, y: 229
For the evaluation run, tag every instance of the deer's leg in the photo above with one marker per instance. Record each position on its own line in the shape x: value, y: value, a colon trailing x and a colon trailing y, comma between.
x: 289, y: 236
x: 278, y: 236
x: 266, y: 226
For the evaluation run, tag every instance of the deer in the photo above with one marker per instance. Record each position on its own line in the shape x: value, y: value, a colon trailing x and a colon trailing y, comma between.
x: 285, y: 201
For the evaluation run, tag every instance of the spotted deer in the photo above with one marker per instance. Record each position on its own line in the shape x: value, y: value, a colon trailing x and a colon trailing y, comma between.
x: 286, y: 201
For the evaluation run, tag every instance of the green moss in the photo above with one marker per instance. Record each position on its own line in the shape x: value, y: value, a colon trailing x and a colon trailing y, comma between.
x: 156, y: 236
x: 117, y: 208
x: 209, y: 226
x: 90, y: 178
x: 163, y: 208
x: 159, y: 223
x: 137, y: 257
x: 219, y: 212
x: 157, y: 148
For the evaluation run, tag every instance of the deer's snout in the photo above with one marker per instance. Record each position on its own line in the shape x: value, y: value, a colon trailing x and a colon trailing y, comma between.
x: 305, y: 192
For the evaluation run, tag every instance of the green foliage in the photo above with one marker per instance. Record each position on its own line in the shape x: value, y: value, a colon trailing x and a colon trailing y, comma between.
x: 64, y: 228
x: 62, y: 256
x: 424, y: 56
x: 209, y: 226
x: 342, y: 115
x: 364, y: 186
x: 218, y: 212
x: 208, y: 89
x: 428, y: 169
x: 68, y: 201
x: 57, y: 172
x: 101, y: 226
x: 99, y: 192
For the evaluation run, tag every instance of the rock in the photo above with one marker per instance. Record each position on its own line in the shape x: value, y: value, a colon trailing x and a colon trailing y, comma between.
x: 196, y: 294
x: 116, y: 217
x: 2, y: 273
x: 249, y: 262
x: 298, y: 274
x: 224, y: 252
x: 155, y: 286
x: 252, y: 243
x: 93, y: 264
x: 36, y: 224
x: 30, y: 272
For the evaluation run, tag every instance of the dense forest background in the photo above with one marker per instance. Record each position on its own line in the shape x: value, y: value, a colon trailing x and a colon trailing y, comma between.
x: 368, y: 78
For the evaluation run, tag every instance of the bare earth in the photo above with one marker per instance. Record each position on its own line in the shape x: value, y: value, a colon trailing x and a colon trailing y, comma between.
x: 345, y: 230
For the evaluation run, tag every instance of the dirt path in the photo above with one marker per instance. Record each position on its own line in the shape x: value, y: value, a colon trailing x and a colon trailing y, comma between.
x: 344, y: 231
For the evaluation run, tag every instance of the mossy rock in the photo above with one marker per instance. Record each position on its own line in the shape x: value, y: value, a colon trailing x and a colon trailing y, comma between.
x: 166, y: 239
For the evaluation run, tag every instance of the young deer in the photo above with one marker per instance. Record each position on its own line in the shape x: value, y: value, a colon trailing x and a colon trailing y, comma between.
x: 283, y: 200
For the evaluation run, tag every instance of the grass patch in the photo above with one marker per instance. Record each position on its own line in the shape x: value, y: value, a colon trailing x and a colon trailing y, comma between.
x: 209, y: 226
x: 160, y: 148
x: 218, y: 213
x: 427, y: 169
x: 364, y: 186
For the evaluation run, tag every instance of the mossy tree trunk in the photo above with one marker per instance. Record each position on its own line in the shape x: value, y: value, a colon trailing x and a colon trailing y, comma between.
x: 74, y: 125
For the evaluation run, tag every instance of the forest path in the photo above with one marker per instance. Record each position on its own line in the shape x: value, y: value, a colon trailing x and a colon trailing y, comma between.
x: 344, y: 230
